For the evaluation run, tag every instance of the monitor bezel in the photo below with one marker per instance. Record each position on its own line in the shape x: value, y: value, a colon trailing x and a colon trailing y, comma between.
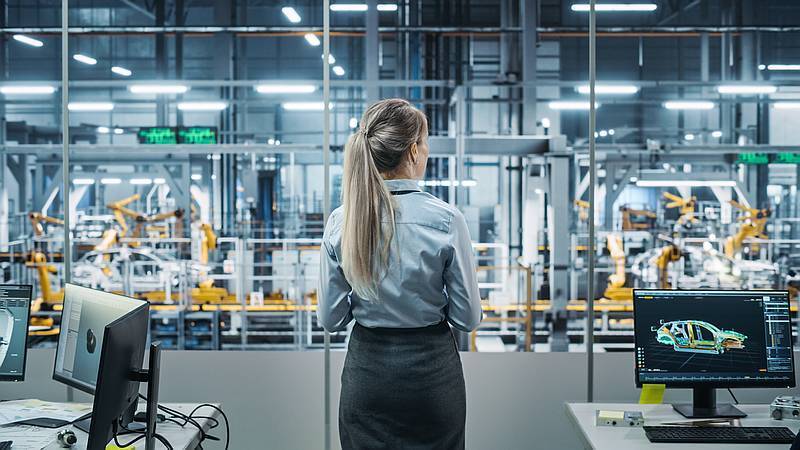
x: 714, y: 384
x: 21, y: 377
x: 71, y: 381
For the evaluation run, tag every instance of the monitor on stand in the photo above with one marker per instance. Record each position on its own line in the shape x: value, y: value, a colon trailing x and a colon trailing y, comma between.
x: 15, y: 310
x: 709, y: 339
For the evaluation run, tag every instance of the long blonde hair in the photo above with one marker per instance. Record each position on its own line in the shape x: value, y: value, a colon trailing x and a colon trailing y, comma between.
x: 385, y: 134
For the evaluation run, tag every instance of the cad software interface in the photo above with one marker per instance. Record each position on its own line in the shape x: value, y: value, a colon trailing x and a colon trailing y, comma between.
x: 713, y: 336
x: 14, y: 305
x: 84, y: 318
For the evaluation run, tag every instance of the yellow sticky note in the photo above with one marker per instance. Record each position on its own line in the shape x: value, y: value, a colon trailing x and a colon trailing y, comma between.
x: 114, y: 447
x: 652, y: 394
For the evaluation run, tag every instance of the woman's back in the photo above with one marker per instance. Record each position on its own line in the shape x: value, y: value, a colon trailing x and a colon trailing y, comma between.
x: 430, y: 275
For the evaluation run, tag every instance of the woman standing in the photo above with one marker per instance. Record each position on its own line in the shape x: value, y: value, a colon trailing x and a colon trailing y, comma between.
x: 399, y: 261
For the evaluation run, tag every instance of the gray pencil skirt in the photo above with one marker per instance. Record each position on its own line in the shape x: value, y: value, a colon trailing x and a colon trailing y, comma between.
x: 402, y: 389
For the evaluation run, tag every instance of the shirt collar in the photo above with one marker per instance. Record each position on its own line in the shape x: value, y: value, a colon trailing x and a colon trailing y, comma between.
x: 401, y: 185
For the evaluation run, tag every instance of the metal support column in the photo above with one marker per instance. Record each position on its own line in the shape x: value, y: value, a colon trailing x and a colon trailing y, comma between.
x: 558, y: 226
x: 590, y: 253
x: 162, y: 113
x: 65, y: 137
x: 371, y: 50
x: 326, y: 202
x: 529, y: 22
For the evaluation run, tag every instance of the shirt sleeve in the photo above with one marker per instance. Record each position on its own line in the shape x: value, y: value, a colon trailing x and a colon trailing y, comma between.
x: 464, y: 300
x: 333, y: 309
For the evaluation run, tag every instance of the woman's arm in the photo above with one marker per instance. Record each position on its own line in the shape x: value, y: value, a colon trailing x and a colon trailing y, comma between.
x: 333, y: 309
x: 464, y: 305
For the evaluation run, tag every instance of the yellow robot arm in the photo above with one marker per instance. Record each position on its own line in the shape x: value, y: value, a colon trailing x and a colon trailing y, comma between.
x: 615, y: 248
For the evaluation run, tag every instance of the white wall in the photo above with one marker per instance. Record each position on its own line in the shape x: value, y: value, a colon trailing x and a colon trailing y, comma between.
x: 274, y: 399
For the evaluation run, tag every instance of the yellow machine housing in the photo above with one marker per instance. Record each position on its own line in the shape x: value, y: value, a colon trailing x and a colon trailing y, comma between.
x: 686, y: 206
x: 754, y: 224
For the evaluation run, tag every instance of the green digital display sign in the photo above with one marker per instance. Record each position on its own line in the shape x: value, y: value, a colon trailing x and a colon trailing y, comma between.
x: 157, y: 135
x: 177, y: 135
x: 197, y: 135
x: 787, y: 158
x: 753, y: 158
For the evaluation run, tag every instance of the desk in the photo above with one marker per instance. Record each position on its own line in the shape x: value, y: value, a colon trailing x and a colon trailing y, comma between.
x: 582, y: 416
x: 185, y: 438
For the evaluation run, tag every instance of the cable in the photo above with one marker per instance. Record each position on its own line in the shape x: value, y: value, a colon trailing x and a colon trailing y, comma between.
x: 735, y: 402
x: 224, y: 416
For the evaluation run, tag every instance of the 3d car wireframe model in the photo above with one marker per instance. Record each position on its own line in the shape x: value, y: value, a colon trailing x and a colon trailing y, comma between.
x: 697, y: 336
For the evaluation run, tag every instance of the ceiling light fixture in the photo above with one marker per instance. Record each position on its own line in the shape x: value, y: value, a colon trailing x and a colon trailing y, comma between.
x: 291, y: 14
x: 716, y: 134
x: 103, y: 130
x: 159, y: 181
x: 609, y: 89
x: 141, y: 181
x: 620, y: 7
x: 331, y: 59
x: 28, y: 40
x: 84, y: 59
x: 688, y: 104
x: 305, y: 106
x: 783, y: 67
x: 121, y: 71
x: 119, y: 131
x: 786, y: 105
x: 353, y: 123
x: 285, y: 88
x: 196, y: 177
x: 26, y: 90
x: 312, y: 39
x: 387, y: 7
x: 746, y: 89
x: 202, y: 106
x: 158, y: 88
x: 349, y: 7
x: 338, y: 70
x: 83, y: 181
x: 110, y: 181
x: 571, y: 105
x: 90, y: 106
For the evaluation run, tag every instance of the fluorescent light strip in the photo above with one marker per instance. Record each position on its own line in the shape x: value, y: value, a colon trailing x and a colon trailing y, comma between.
x: 84, y: 59
x: 780, y: 67
x: 110, y: 181
x: 121, y: 71
x: 291, y: 14
x: 159, y: 181
x: 202, y: 106
x: 312, y: 39
x: 387, y: 7
x: 621, y: 7
x: 786, y: 105
x: 609, y: 89
x: 572, y: 105
x: 285, y: 88
x: 26, y: 90
x: 83, y: 181
x: 158, y: 88
x: 196, y: 177
x: 119, y: 131
x: 103, y: 130
x: 349, y: 7
x: 685, y: 183
x: 716, y: 134
x: 305, y: 106
x: 746, y: 89
x: 687, y: 104
x: 338, y: 70
x: 90, y: 106
x: 28, y: 40
x: 141, y: 181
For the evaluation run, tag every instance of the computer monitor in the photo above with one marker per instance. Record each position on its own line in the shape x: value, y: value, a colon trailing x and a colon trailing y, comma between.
x: 15, y: 310
x: 117, y: 389
x: 708, y: 339
x: 86, y: 314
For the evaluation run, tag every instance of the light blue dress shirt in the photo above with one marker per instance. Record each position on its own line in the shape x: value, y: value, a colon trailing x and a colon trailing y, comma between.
x: 431, y: 273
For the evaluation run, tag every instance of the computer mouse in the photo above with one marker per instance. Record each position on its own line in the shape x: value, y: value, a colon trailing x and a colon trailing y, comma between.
x: 91, y: 341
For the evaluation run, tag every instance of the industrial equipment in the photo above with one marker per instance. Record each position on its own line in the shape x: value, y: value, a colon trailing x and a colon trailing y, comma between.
x: 754, y: 223
x: 637, y: 219
x: 616, y: 289
x: 686, y: 207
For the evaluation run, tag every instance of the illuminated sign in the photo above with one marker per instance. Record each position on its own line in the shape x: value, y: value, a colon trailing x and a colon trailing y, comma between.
x: 197, y: 135
x: 177, y: 135
x: 157, y: 135
x: 787, y: 158
x: 753, y: 158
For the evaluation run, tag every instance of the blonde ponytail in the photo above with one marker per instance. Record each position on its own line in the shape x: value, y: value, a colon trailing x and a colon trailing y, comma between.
x: 387, y: 131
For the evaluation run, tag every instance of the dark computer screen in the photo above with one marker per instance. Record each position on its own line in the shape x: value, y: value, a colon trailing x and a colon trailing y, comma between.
x: 723, y: 338
x: 15, y: 307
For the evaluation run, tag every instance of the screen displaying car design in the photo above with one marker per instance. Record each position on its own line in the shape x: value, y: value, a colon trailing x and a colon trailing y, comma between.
x: 6, y: 330
x: 697, y: 336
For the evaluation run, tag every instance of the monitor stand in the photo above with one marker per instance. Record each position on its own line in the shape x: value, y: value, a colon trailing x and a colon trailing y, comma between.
x: 704, y: 406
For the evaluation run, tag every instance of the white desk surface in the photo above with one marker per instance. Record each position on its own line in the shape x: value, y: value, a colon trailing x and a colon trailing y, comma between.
x: 185, y: 438
x: 582, y: 416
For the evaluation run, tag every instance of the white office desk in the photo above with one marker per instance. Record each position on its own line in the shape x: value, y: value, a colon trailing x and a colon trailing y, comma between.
x: 185, y: 438
x: 582, y: 416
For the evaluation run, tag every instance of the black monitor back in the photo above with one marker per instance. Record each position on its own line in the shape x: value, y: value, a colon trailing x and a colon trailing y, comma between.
x: 116, y: 394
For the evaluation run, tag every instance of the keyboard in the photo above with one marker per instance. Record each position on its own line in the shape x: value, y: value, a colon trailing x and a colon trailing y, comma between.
x: 5, y: 445
x: 714, y: 435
